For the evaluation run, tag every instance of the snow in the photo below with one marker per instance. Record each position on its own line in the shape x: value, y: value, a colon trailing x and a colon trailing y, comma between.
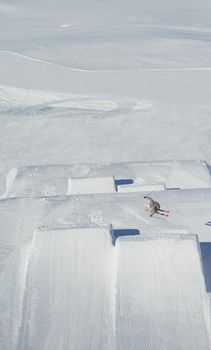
x: 141, y: 188
x: 102, y: 102
x: 29, y: 181
x: 151, y: 282
x: 161, y: 297
x: 91, y: 185
x: 68, y: 290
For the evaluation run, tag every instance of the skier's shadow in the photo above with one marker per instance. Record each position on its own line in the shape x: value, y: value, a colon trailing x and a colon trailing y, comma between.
x: 208, y: 223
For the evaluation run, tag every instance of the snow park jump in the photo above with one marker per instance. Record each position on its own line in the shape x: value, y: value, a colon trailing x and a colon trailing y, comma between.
x: 105, y: 175
x: 64, y: 265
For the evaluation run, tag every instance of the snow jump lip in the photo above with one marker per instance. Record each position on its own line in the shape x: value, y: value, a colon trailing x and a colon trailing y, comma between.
x: 51, y: 180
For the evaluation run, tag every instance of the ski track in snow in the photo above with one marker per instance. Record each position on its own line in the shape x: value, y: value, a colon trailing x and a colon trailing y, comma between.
x: 42, y: 61
x: 106, y: 70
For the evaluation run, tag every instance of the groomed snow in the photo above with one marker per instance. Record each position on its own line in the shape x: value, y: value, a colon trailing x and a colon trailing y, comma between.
x: 49, y: 180
x: 146, y: 291
x: 68, y: 294
x: 93, y: 90
x: 142, y: 188
x: 160, y: 294
x: 91, y: 185
x: 189, y: 213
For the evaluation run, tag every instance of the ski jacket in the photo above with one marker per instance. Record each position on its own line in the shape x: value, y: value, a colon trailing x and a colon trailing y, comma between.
x: 153, y: 205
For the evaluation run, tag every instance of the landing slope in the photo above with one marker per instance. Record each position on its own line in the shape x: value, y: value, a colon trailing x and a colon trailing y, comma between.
x: 161, y: 295
x: 68, y: 301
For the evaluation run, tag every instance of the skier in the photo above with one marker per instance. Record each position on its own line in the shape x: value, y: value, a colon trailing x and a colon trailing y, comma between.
x: 154, y: 207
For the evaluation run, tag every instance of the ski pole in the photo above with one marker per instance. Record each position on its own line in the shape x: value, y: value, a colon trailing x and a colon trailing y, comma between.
x: 148, y: 193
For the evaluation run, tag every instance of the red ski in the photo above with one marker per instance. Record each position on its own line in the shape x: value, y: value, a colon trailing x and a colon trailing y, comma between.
x: 164, y: 214
x: 164, y: 211
x: 160, y: 212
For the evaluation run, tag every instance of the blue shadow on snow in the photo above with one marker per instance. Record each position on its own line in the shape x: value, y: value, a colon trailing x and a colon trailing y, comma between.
x: 123, y: 182
x: 123, y: 232
x: 206, y: 261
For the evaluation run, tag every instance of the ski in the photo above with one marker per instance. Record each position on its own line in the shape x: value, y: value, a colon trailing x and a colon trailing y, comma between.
x: 160, y: 212
x: 164, y: 211
x: 164, y: 214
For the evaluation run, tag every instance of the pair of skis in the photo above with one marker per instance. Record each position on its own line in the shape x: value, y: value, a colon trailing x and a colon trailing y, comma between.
x: 161, y: 212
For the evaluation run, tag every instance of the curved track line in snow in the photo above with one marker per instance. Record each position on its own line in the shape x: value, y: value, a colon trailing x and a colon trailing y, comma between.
x: 107, y: 70
x: 42, y: 61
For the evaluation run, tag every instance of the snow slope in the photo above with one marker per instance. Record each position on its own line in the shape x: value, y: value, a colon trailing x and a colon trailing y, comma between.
x: 161, y: 298
x: 161, y: 115
x: 146, y: 291
x: 94, y: 90
x: 69, y: 290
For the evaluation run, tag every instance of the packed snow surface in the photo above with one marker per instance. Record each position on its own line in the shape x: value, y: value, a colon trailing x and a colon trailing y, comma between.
x: 69, y: 289
x: 91, y: 185
x: 102, y: 102
x: 147, y: 291
x: 35, y: 181
x: 160, y: 294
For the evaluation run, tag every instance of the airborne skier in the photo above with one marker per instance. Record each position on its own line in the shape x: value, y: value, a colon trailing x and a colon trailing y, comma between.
x: 154, y: 207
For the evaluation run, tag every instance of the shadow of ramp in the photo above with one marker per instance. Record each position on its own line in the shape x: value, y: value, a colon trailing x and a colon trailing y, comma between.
x: 206, y: 261
x: 123, y: 232
x: 208, y: 223
x: 123, y: 182
x: 209, y: 168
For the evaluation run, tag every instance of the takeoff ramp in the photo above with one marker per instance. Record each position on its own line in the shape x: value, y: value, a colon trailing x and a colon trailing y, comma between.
x: 103, y: 184
x: 52, y: 180
x: 69, y: 301
x: 160, y: 295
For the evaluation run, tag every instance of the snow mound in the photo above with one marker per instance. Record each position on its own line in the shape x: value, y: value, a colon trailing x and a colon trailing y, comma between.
x: 91, y: 185
x: 26, y: 102
x: 146, y: 292
x: 69, y: 291
x: 161, y: 296
x: 62, y: 268
x: 49, y: 180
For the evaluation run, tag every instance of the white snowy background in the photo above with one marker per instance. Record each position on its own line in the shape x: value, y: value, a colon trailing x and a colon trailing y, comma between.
x: 104, y: 82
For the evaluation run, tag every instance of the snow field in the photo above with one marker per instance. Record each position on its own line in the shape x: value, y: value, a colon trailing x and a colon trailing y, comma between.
x: 85, y: 85
x: 49, y: 102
